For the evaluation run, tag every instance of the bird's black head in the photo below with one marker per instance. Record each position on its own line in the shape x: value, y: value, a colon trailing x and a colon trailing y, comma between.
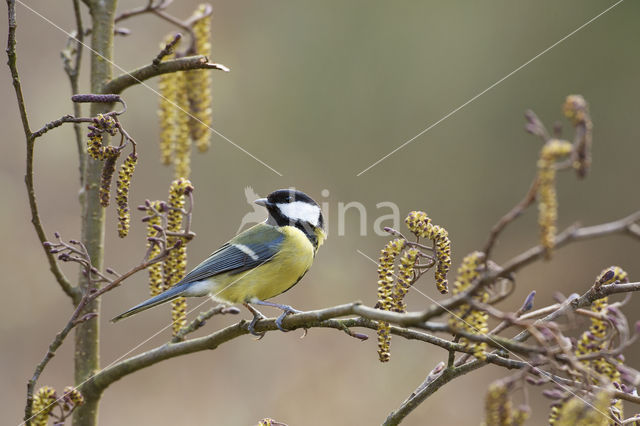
x: 288, y: 207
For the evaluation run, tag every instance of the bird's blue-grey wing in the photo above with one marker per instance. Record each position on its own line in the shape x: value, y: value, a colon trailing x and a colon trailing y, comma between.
x: 240, y: 254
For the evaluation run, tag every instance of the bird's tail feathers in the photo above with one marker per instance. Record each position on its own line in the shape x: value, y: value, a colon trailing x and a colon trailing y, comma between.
x: 166, y: 296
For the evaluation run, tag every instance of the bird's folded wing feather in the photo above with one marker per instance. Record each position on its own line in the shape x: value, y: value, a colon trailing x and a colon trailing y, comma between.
x: 246, y: 251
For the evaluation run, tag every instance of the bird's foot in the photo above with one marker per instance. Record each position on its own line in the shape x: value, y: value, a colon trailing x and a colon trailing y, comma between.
x: 286, y: 310
x: 257, y: 316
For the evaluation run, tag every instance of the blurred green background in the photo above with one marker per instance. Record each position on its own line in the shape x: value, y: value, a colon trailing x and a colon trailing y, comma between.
x: 319, y: 91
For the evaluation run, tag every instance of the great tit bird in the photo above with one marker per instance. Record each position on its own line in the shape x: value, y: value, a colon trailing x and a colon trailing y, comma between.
x: 259, y: 263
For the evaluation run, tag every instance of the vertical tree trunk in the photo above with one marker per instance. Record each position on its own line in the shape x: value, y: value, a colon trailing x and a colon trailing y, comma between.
x: 87, y: 355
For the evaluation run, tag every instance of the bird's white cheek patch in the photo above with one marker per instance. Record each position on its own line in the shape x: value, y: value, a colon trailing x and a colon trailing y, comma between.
x: 302, y: 211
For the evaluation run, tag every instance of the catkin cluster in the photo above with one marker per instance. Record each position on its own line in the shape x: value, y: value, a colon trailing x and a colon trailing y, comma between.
x: 386, y: 301
x: 185, y: 110
x: 596, y: 339
x: 393, y: 288
x: 155, y: 271
x: 95, y: 147
x: 499, y: 408
x: 553, y: 150
x: 576, y: 109
x: 44, y: 401
x: 109, y: 155
x: 72, y: 397
x: 464, y: 317
x: 98, y: 151
x: 199, y: 83
x: 175, y: 265
x: 420, y: 224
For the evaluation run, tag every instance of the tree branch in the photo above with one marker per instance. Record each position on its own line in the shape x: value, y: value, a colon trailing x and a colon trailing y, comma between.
x: 424, y: 391
x: 67, y: 287
x: 53, y: 347
x: 137, y: 76
x: 72, y: 59
x: 516, y: 211
x: 368, y: 316
x: 323, y: 318
x: 572, y: 234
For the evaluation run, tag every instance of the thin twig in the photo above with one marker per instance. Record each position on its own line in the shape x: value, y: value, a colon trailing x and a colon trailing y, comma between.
x: 143, y: 9
x: 450, y: 373
x: 53, y: 347
x: 72, y: 68
x: 571, y: 234
x: 67, y: 287
x: 59, y: 122
x: 516, y: 211
x: 167, y: 50
x: 201, y: 320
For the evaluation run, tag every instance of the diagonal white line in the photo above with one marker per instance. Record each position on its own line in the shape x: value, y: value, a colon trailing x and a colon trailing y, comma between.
x: 142, y: 83
x: 549, y: 376
x: 33, y: 415
x: 431, y: 126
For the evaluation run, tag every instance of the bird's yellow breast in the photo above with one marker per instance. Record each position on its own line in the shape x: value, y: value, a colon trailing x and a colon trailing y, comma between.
x: 272, y: 277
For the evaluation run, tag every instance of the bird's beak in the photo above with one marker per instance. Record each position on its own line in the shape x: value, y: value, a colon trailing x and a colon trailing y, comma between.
x: 261, y: 202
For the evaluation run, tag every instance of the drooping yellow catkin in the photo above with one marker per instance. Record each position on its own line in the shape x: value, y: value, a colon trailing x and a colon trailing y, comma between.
x: 199, y: 84
x: 554, y: 413
x: 576, y: 109
x: 122, y: 193
x: 178, y: 314
x: 420, y: 224
x: 405, y: 278
x: 443, y: 254
x: 548, y: 202
x: 468, y: 271
x: 95, y: 149
x: 155, y: 271
x: 108, y: 169
x: 580, y: 411
x: 498, y: 406
x: 385, y: 293
x: 44, y: 401
x: 465, y: 318
x: 520, y: 416
x: 73, y: 396
x: 386, y: 275
x: 175, y: 265
x: 101, y: 124
x: 182, y: 144
x: 596, y: 338
x: 168, y: 86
